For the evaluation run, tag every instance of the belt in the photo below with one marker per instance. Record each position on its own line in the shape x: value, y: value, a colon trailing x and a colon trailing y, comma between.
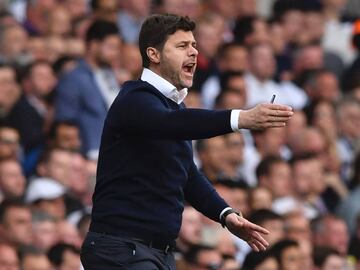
x: 156, y: 244
x: 163, y: 246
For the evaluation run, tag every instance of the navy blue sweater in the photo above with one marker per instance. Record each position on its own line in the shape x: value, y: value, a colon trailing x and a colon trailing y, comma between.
x: 146, y: 169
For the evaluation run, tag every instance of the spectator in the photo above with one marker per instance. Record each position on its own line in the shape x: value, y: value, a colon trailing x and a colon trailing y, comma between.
x: 331, y: 231
x: 55, y: 163
x: 9, y: 143
x: 15, y: 223
x: 66, y: 135
x: 104, y: 10
x: 288, y: 255
x: 44, y: 231
x: 348, y: 115
x: 212, y: 154
x: 85, y: 93
x: 13, y: 40
x: 12, y: 179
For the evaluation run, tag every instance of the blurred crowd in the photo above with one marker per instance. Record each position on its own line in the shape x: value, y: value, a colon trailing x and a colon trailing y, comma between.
x: 62, y: 62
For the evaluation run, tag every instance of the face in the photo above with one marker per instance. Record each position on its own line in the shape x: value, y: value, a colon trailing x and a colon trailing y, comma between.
x: 235, y: 144
x: 60, y: 22
x: 261, y: 198
x: 298, y: 228
x: 305, y: 173
x: 280, y: 180
x: 12, y: 180
x: 42, y: 79
x: 349, y: 120
x: 14, y: 41
x: 17, y: 224
x: 68, y: 137
x: 108, y: 51
x: 44, y: 234
x: 337, y: 235
x: 9, y: 143
x: 9, y: 89
x: 79, y: 177
x: 235, y: 59
x: 208, y: 39
x: 327, y: 86
x: 8, y: 258
x: 58, y: 166
x: 178, y: 59
x: 263, y: 62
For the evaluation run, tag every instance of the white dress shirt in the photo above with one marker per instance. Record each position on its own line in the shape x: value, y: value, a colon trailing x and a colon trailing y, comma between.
x: 170, y: 91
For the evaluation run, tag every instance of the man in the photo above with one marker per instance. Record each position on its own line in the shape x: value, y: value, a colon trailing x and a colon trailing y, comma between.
x: 15, y: 223
x: 146, y: 169
x: 12, y: 179
x: 85, y: 93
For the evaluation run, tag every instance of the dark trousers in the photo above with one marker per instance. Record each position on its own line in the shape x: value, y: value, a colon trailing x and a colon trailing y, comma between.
x: 101, y: 251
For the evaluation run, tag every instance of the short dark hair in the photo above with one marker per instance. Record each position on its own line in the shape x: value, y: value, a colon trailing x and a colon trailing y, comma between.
x: 260, y: 216
x: 253, y: 259
x: 156, y: 29
x: 244, y: 27
x: 191, y: 256
x: 321, y: 253
x: 101, y: 29
x: 10, y: 203
x: 278, y: 248
x: 266, y: 163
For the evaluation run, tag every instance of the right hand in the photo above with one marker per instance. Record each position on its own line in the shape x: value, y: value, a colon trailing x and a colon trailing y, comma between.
x: 265, y: 115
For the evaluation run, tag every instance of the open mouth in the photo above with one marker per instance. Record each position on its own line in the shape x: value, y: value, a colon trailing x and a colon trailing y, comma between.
x: 189, y: 68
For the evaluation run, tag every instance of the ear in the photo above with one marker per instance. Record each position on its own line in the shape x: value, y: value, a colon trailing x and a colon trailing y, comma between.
x: 153, y: 54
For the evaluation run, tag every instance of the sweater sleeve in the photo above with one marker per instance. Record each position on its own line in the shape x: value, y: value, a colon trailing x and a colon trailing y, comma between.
x: 202, y: 196
x: 143, y: 113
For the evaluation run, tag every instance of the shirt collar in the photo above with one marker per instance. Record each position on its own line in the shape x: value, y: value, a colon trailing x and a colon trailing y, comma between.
x: 165, y: 87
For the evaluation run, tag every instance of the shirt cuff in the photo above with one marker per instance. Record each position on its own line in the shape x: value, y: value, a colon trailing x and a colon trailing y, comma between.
x: 223, y: 211
x: 234, y: 120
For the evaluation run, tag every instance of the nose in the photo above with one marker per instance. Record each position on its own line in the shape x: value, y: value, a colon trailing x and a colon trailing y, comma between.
x: 193, y: 51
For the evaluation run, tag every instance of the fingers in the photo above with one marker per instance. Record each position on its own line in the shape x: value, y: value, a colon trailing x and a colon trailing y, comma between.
x: 257, y: 245
x: 258, y: 228
x: 279, y: 107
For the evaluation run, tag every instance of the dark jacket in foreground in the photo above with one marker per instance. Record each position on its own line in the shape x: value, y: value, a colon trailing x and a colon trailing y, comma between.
x: 146, y: 168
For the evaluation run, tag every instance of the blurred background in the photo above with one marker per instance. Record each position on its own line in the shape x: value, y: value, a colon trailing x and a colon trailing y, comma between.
x: 59, y: 74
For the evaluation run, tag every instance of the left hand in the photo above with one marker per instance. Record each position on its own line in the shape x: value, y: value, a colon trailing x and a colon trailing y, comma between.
x: 247, y: 231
